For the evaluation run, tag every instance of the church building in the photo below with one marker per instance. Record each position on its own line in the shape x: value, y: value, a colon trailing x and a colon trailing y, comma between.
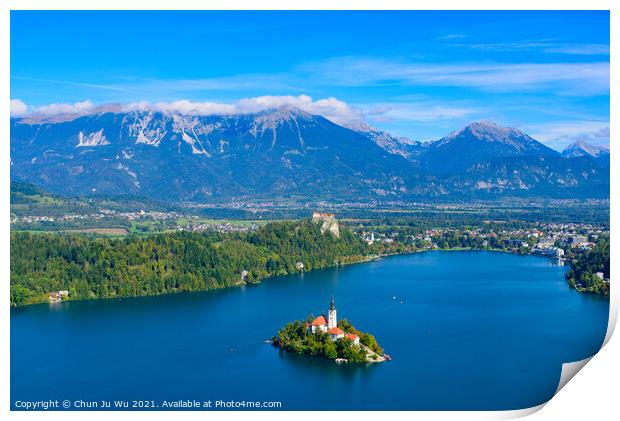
x: 331, y: 325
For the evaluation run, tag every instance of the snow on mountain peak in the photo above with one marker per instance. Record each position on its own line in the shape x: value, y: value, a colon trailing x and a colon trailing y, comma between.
x: 488, y: 130
x: 271, y: 119
x: 582, y: 148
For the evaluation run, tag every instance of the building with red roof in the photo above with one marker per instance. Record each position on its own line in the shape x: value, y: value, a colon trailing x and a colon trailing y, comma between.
x: 336, y: 333
x: 319, y: 324
x: 330, y: 326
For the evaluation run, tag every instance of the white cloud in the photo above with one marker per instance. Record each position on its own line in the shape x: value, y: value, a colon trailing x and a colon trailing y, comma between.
x: 419, y: 112
x: 72, y: 83
x: 450, y: 36
x: 193, y: 108
x: 357, y: 116
x: 566, y: 78
x: 541, y: 46
x: 18, y: 108
x: 572, y: 78
x: 55, y: 109
x: 558, y: 135
x: 241, y: 82
x: 579, y: 49
x: 331, y: 108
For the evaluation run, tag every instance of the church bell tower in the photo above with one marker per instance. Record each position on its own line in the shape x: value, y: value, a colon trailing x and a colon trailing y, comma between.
x: 332, y: 321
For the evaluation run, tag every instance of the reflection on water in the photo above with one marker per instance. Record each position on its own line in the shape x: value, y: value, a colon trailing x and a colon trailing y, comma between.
x: 347, y: 372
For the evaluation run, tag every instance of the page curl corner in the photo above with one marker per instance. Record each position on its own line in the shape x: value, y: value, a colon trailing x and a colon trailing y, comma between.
x: 569, y: 370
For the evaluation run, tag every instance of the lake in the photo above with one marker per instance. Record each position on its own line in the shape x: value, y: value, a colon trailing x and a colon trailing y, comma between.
x: 467, y: 331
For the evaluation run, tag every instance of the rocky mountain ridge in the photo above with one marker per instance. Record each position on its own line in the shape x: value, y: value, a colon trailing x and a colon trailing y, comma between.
x: 287, y: 153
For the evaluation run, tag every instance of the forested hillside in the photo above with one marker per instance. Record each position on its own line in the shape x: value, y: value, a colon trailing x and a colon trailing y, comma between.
x: 102, y: 267
x: 584, y: 268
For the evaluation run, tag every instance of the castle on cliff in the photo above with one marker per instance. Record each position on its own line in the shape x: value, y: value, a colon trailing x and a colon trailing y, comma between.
x: 328, y: 222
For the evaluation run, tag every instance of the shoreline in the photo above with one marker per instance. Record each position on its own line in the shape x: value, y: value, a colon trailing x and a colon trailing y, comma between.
x: 238, y: 284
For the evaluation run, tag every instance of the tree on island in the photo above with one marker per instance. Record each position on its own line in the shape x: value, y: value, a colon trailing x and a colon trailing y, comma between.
x: 296, y: 337
x: 365, y: 338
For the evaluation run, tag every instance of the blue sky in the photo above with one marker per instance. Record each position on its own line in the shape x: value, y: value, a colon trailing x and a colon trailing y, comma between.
x: 416, y: 74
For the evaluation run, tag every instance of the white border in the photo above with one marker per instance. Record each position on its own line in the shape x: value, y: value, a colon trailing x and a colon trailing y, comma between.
x: 309, y: 5
x: 593, y: 394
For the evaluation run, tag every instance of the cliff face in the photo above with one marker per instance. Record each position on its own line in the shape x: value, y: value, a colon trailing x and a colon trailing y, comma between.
x: 174, y: 157
x: 286, y: 152
x: 328, y: 222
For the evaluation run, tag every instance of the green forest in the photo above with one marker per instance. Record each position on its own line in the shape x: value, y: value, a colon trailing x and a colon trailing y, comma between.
x: 92, y: 267
x: 295, y: 337
x: 584, y: 269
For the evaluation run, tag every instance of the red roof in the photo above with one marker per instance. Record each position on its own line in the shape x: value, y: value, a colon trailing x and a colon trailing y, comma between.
x: 351, y: 336
x: 319, y: 321
x: 335, y: 331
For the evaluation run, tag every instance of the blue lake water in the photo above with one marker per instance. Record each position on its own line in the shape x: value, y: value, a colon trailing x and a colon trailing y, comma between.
x: 475, y: 330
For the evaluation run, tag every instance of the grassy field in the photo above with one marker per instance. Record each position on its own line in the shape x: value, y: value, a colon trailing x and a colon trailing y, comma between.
x: 153, y: 227
x: 144, y: 228
x: 104, y: 231
x: 240, y: 222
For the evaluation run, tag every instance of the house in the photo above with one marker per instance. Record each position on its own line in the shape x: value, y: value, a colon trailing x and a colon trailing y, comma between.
x: 549, y: 251
x: 512, y: 243
x: 57, y: 296
x: 323, y: 325
x: 578, y: 240
x: 336, y: 333
x: 320, y: 215
x: 354, y: 338
x: 546, y: 243
x: 318, y: 324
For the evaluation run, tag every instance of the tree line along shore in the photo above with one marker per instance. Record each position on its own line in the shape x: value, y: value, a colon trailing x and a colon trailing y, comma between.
x: 93, y: 267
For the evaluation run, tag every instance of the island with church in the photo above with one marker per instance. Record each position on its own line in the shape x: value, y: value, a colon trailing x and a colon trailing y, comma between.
x: 330, y: 338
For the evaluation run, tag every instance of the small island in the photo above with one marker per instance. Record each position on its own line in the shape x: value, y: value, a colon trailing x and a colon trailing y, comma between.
x: 328, y: 338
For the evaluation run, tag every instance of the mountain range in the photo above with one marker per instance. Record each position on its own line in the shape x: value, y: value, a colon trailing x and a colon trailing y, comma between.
x: 581, y: 148
x: 288, y: 153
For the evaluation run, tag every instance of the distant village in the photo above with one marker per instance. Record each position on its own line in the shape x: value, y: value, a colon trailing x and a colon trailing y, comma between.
x: 546, y: 239
x: 560, y: 241
x: 140, y: 221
